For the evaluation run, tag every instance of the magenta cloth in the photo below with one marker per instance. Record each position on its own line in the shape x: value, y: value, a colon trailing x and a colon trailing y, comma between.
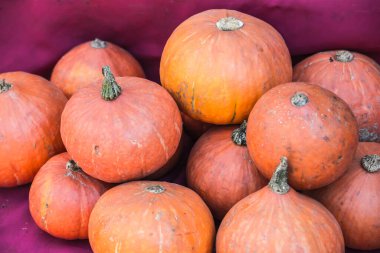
x: 35, y: 34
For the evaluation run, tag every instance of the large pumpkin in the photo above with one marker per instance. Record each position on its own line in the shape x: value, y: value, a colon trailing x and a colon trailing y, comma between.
x: 30, y: 115
x: 62, y: 196
x: 82, y: 65
x: 125, y: 129
x: 220, y: 169
x: 217, y: 64
x: 353, y: 77
x: 279, y: 219
x: 354, y: 199
x: 150, y: 217
x: 313, y: 127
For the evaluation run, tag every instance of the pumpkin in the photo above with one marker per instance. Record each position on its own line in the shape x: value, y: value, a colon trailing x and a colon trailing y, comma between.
x: 353, y: 77
x: 30, y: 116
x: 220, y: 169
x: 124, y: 129
x: 194, y: 128
x: 174, y: 160
x: 217, y: 64
x: 148, y: 216
x: 62, y: 196
x: 310, y: 125
x: 279, y: 219
x: 82, y: 65
x: 354, y: 199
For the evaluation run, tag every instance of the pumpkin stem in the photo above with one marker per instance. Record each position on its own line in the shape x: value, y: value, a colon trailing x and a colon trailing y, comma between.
x: 279, y: 180
x: 71, y: 165
x: 97, y: 43
x: 4, y: 86
x: 299, y: 99
x: 344, y: 56
x: 371, y: 163
x: 239, y: 134
x: 229, y: 24
x: 156, y: 189
x: 110, y: 90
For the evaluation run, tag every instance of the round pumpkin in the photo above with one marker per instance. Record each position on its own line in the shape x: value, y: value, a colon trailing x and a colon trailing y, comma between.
x: 82, y: 65
x: 124, y: 129
x: 279, y: 219
x: 352, y: 76
x: 354, y: 199
x: 310, y: 125
x: 194, y: 128
x: 61, y: 198
x: 217, y: 64
x: 30, y: 116
x: 148, y: 216
x: 220, y: 169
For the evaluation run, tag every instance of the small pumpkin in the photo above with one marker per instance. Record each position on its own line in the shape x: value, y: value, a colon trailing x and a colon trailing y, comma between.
x: 194, y: 128
x: 148, y: 216
x: 279, y: 219
x: 310, y: 125
x: 30, y: 116
x: 124, y: 129
x: 217, y: 64
x: 62, y: 196
x: 354, y: 199
x: 220, y: 169
x: 352, y: 76
x: 82, y: 65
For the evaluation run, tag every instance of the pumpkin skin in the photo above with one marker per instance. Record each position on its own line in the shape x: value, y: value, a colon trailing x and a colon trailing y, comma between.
x: 216, y: 76
x: 133, y: 218
x: 357, y: 82
x: 267, y: 221
x: 127, y: 138
x: 82, y: 65
x: 183, y: 145
x: 30, y: 118
x: 319, y: 138
x: 354, y: 201
x: 61, y: 199
x: 222, y: 172
x: 194, y: 128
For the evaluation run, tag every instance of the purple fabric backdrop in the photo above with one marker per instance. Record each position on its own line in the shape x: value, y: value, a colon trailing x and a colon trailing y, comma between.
x: 36, y: 33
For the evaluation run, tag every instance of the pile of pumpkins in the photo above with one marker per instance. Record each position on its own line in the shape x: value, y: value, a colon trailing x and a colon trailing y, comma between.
x: 278, y: 160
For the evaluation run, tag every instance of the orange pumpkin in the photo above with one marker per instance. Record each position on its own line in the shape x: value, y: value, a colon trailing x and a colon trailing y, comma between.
x: 30, y: 114
x: 218, y: 63
x: 354, y: 199
x: 310, y: 125
x: 353, y: 77
x: 61, y: 198
x: 82, y: 65
x: 148, y: 216
x: 220, y: 169
x: 278, y: 219
x: 124, y: 129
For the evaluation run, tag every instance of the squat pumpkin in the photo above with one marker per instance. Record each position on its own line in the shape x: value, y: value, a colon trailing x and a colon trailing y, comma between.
x: 30, y: 114
x: 81, y: 66
x: 220, y: 169
x: 354, y: 199
x: 310, y: 125
x: 124, y: 129
x: 62, y: 196
x: 150, y: 217
x: 217, y: 64
x: 352, y: 76
x: 279, y: 219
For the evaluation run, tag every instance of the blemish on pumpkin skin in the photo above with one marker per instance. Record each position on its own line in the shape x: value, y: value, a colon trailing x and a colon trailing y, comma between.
x: 193, y: 98
x: 96, y: 150
x: 326, y: 138
x: 234, y: 114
